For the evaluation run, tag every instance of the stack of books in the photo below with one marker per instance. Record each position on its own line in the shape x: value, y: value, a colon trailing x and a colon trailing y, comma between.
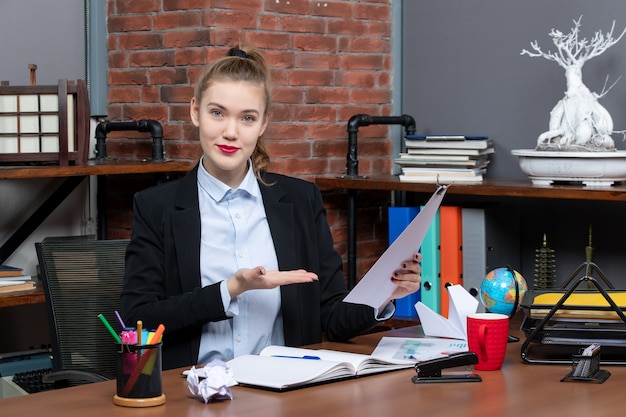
x: 445, y: 158
x: 13, y: 279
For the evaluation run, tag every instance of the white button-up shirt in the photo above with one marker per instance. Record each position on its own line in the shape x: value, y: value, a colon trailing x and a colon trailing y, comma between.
x: 235, y: 234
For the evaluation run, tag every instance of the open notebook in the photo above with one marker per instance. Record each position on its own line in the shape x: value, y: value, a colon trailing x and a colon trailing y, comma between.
x: 283, y: 368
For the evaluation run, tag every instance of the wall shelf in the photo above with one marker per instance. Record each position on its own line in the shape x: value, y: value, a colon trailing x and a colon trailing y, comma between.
x: 489, y: 188
x: 107, y: 167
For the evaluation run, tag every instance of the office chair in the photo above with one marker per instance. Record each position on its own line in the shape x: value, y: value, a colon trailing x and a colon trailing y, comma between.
x: 82, y: 278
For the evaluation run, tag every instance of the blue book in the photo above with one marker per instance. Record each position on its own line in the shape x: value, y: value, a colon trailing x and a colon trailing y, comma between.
x: 399, y: 219
x: 430, y: 290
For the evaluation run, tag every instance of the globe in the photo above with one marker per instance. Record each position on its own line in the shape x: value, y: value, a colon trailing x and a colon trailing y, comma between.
x: 498, y: 293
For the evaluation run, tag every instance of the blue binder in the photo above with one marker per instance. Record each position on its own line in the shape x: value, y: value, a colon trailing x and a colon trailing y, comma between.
x: 399, y: 219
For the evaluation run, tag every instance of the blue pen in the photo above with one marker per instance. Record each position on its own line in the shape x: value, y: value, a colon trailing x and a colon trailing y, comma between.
x: 298, y: 357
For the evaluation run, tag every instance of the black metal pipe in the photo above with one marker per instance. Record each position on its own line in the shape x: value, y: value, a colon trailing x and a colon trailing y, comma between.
x: 352, y: 171
x: 152, y: 126
x: 358, y: 120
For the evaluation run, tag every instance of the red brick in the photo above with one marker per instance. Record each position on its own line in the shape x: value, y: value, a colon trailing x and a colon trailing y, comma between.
x: 327, y: 95
x: 278, y: 131
x: 299, y: 7
x: 174, y: 75
x: 123, y: 95
x: 122, y: 7
x: 135, y: 23
x: 186, y: 57
x: 180, y: 112
x: 315, y: 60
x: 118, y: 60
x: 372, y: 95
x: 361, y: 62
x: 327, y: 131
x: 288, y: 95
x: 289, y: 149
x: 333, y: 9
x: 315, y: 43
x: 141, y: 41
x: 187, y: 38
x: 177, y: 20
x: 139, y: 112
x: 234, y: 19
x: 254, y: 5
x: 224, y: 36
x: 184, y: 4
x: 372, y: 11
x: 152, y: 59
x: 356, y: 78
x: 330, y: 148
x: 310, y: 77
x: 371, y: 45
x: 266, y: 40
x: 307, y: 24
x: 176, y: 94
x: 305, y: 166
x: 315, y: 113
x: 350, y: 28
x: 127, y: 77
x: 268, y: 22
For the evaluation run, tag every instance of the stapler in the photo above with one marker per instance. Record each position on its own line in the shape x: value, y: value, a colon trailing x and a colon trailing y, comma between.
x: 430, y: 371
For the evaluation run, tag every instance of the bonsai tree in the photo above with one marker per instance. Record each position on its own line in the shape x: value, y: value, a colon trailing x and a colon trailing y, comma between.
x: 578, y: 122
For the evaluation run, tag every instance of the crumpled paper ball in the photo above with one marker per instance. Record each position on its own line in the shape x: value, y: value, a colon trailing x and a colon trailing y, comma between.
x: 211, y: 382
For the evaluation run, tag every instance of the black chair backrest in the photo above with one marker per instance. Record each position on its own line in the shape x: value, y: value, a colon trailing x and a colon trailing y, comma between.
x: 82, y: 278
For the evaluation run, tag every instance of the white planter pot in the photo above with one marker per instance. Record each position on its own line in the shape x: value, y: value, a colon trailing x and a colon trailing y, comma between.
x: 589, y: 168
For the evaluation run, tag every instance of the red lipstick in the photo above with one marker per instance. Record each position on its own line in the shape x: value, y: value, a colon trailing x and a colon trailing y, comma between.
x: 227, y: 148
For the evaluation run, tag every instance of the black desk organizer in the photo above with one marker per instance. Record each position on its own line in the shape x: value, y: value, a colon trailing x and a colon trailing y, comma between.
x: 587, y: 368
x: 553, y: 341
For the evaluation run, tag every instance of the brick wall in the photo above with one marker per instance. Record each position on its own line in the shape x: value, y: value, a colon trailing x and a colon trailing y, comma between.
x: 331, y: 60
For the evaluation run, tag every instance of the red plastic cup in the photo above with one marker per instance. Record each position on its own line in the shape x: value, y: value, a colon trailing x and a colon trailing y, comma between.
x: 487, y: 336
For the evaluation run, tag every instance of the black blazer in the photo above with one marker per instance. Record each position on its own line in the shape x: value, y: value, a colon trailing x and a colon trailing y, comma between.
x: 162, y: 281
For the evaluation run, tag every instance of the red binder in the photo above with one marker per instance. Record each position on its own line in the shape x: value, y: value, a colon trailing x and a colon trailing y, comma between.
x: 451, y: 244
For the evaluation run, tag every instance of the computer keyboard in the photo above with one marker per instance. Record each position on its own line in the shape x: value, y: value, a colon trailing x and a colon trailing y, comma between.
x: 31, y: 381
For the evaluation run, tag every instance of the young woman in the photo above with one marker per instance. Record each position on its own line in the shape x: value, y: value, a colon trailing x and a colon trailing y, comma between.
x: 232, y: 258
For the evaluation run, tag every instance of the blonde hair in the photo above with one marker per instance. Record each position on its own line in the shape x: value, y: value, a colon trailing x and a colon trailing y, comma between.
x: 242, y: 63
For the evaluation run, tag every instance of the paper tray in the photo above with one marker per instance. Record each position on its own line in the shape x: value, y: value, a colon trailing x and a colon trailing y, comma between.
x: 580, y: 306
x: 558, y: 322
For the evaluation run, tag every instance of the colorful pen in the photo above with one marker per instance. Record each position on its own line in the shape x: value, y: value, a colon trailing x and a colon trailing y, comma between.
x: 139, y: 331
x: 317, y: 358
x: 119, y: 318
x: 109, y: 328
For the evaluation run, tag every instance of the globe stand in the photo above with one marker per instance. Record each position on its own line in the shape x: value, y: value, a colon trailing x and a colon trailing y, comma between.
x: 513, y: 339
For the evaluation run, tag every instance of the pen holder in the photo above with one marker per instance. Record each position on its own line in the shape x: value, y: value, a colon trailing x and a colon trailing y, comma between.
x: 587, y: 368
x: 139, y: 376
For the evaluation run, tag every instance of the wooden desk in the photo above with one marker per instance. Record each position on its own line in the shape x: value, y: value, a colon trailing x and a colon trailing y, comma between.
x: 517, y: 390
x: 18, y: 298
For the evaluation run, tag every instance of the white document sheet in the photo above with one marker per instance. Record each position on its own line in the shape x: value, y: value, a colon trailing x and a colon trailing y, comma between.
x: 376, y: 286
x: 462, y: 304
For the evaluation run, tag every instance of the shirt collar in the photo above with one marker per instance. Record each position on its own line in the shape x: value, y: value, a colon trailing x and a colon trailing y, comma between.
x: 217, y: 190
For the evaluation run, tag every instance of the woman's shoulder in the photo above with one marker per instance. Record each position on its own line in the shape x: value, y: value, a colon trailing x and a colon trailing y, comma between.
x: 290, y: 185
x: 167, y: 191
x: 286, y: 180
